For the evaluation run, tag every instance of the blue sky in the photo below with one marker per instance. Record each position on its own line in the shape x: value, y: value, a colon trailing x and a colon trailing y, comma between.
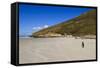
x: 35, y: 17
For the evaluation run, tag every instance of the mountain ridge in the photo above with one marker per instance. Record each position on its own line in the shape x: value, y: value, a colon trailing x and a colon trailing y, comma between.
x: 84, y: 24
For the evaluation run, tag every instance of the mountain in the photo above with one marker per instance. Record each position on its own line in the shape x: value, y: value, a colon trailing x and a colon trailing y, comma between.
x: 85, y: 24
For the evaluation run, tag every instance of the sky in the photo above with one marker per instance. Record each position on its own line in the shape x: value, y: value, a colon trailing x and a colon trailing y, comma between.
x: 33, y: 18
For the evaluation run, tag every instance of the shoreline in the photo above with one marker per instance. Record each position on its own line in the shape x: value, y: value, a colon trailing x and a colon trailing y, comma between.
x: 62, y: 37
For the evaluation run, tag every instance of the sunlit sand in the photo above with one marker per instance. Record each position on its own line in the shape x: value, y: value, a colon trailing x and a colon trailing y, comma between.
x: 37, y: 50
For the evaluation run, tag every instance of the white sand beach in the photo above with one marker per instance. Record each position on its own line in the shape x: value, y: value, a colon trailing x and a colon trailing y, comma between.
x: 36, y: 50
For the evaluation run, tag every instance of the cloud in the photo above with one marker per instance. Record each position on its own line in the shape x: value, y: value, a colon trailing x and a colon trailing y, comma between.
x: 42, y: 27
x: 46, y: 26
x: 37, y: 28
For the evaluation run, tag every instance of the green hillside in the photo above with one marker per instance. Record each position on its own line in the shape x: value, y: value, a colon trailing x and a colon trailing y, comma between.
x: 85, y: 24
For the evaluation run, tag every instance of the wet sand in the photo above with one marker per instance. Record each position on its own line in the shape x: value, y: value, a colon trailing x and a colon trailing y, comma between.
x: 37, y: 50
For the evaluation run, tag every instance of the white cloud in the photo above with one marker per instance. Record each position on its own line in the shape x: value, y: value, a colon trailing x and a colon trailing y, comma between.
x: 37, y: 28
x: 46, y: 26
x: 42, y: 27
